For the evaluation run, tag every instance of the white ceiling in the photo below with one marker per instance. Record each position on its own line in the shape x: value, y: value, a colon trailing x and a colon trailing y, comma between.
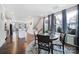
x: 25, y: 10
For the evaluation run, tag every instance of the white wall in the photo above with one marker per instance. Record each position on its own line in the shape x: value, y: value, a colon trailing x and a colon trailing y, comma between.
x: 35, y: 21
x: 2, y: 30
x: 40, y: 26
x: 30, y: 26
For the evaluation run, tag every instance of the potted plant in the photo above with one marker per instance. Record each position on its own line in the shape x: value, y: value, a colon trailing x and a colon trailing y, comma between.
x: 59, y: 29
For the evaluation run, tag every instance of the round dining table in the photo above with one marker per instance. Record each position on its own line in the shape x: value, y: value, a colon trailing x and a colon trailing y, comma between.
x: 53, y: 37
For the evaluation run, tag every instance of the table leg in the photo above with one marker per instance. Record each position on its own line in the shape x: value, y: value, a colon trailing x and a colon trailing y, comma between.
x: 52, y: 47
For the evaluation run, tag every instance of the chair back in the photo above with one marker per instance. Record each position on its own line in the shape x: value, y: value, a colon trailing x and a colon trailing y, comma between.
x: 62, y: 37
x: 43, y: 39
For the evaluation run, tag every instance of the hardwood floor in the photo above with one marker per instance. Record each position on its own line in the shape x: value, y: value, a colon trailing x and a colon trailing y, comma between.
x: 17, y: 47
x: 20, y: 46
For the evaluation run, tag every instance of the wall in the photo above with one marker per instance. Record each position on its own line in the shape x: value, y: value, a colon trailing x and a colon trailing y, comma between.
x: 35, y: 21
x: 2, y: 32
x: 2, y: 29
x: 40, y: 25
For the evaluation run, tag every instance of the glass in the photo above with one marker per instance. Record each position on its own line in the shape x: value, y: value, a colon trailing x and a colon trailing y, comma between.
x: 58, y: 18
x: 72, y: 20
x: 71, y: 25
x: 46, y: 25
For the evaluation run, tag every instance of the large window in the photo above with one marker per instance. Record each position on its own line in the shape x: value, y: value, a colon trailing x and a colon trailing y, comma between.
x: 46, y: 25
x: 72, y: 20
x: 58, y: 18
x: 71, y: 25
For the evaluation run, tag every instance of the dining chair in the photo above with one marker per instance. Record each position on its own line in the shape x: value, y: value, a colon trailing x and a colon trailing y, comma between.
x: 43, y: 43
x: 60, y: 43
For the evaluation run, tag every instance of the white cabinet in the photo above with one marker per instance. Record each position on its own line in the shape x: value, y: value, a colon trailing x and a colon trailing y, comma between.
x: 70, y: 39
x: 22, y: 33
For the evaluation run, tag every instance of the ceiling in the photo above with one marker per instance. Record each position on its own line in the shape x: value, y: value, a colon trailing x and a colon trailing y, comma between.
x: 25, y: 10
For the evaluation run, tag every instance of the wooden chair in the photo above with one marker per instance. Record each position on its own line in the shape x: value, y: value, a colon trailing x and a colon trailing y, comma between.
x: 62, y: 42
x: 43, y: 43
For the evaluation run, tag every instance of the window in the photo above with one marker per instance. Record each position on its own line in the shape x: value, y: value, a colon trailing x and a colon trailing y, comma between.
x: 46, y: 25
x: 58, y: 18
x: 72, y: 20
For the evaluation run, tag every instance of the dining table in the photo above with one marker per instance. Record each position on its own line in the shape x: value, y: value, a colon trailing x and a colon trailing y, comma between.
x: 52, y: 38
